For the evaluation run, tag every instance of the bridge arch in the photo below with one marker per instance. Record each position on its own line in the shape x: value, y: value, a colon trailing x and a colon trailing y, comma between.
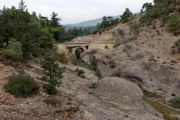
x: 78, y: 52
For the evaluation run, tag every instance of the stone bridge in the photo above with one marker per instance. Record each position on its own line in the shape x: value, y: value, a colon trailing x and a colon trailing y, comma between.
x: 71, y: 47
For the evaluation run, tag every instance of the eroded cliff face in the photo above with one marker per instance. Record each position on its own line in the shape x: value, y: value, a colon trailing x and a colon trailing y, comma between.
x: 152, y: 74
x: 144, y: 58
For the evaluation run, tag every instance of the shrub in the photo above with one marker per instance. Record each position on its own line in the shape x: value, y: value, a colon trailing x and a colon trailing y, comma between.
x: 135, y: 28
x: 52, y: 100
x: 177, y: 43
x: 146, y: 20
x: 150, y: 94
x: 175, y: 102
x: 132, y: 38
x: 21, y: 86
x: 163, y: 109
x: 106, y: 47
x: 44, y: 78
x: 81, y: 63
x: 61, y: 58
x: 168, y: 117
x: 50, y: 89
x: 174, y: 22
x: 121, y: 32
x: 152, y: 58
x: 160, y: 8
x: 100, y: 77
x: 93, y: 86
x: 14, y: 51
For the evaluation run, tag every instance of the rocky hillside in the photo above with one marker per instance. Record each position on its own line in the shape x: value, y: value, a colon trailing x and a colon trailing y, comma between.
x: 146, y: 55
x: 138, y: 79
x: 112, y: 98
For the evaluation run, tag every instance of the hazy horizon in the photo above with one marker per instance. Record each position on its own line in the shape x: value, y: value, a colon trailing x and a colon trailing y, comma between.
x: 71, y: 11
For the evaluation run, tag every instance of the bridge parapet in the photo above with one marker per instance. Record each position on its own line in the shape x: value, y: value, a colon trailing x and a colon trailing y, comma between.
x: 86, y: 46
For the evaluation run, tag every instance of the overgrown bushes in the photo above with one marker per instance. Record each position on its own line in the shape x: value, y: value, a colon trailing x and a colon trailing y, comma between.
x: 166, y: 111
x: 176, y: 47
x: 121, y: 32
x: 50, y: 89
x: 159, y: 9
x: 150, y: 94
x: 177, y: 43
x: 14, y: 51
x: 135, y: 28
x: 175, y: 102
x: 21, y: 86
x: 174, y: 22
x: 77, y: 62
x: 61, y: 57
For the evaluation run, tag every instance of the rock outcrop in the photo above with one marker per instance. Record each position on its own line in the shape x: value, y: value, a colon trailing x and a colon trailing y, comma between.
x: 152, y: 74
x: 112, y: 98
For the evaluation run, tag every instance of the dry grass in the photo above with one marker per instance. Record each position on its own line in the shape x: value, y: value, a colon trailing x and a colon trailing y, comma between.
x: 61, y: 57
x: 167, y: 112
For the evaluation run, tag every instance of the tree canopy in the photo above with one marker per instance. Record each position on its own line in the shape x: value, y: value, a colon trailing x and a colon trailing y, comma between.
x: 33, y: 33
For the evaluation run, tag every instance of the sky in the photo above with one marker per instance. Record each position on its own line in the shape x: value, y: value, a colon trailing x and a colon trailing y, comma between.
x: 75, y: 11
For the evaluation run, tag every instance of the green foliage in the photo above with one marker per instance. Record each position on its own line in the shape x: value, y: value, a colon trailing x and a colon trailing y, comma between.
x: 159, y: 9
x: 106, y: 47
x: 76, y: 62
x: 93, y: 86
x: 31, y: 32
x: 126, y: 16
x: 14, y: 51
x: 135, y: 28
x: 50, y: 89
x: 174, y: 22
x: 175, y: 102
x: 146, y: 6
x: 56, y: 29
x: 21, y: 86
x: 121, y: 32
x: 146, y: 20
x: 72, y: 33
x: 152, y: 58
x: 132, y: 38
x: 166, y: 111
x: 177, y: 43
x: 100, y: 77
x: 107, y: 22
x: 151, y: 94
x: 22, y: 5
x: 61, y: 57
x: 110, y: 21
x: 168, y: 117
x: 51, y: 69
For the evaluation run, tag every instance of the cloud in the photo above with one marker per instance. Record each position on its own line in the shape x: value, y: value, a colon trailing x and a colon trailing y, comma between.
x: 73, y: 11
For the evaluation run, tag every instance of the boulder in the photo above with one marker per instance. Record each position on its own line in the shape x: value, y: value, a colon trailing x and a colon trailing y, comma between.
x: 124, y: 101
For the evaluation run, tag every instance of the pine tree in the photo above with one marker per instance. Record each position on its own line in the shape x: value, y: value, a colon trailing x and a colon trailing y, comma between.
x: 51, y: 69
x: 126, y: 16
x: 22, y: 5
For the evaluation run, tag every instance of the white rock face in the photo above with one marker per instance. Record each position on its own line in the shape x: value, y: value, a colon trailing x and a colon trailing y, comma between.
x: 113, y: 98
x: 158, y: 75
x: 123, y: 101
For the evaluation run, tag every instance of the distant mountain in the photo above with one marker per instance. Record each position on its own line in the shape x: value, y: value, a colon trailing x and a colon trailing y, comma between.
x: 89, y: 23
